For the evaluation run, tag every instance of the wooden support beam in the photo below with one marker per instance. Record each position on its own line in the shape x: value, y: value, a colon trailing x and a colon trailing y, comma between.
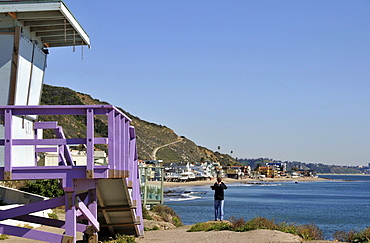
x: 120, y: 224
x: 13, y: 15
x: 14, y: 68
x: 115, y: 208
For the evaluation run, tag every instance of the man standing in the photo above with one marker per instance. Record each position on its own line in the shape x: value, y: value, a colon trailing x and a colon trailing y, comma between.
x: 219, y: 188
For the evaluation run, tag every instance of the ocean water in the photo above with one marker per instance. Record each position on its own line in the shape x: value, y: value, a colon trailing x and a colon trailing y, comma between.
x: 331, y: 205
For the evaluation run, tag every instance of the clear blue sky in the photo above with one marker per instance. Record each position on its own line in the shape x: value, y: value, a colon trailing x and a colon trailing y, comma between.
x: 287, y: 80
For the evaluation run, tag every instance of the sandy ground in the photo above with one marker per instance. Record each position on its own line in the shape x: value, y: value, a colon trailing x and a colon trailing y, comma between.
x: 180, y: 235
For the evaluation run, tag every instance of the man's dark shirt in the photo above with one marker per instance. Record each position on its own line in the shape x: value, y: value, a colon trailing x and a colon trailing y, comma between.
x: 219, y: 190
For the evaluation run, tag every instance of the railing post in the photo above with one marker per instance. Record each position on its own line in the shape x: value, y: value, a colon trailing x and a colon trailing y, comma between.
x: 118, y: 150
x: 124, y: 146
x: 90, y: 143
x: 8, y: 145
x: 111, y: 141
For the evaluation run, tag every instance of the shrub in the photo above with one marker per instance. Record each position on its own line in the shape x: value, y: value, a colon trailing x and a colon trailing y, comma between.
x: 237, y: 223
x: 146, y: 214
x: 309, y: 232
x: 199, y: 227
x: 122, y: 239
x: 154, y: 228
x: 27, y: 226
x: 3, y: 237
x: 287, y: 228
x: 258, y: 223
x: 353, y: 236
x: 167, y: 214
x: 160, y: 208
x: 53, y: 215
x: 46, y: 188
x: 209, y: 226
x: 220, y: 226
x: 176, y: 221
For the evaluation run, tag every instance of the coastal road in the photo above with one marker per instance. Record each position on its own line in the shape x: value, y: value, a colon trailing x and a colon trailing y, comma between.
x: 154, y: 153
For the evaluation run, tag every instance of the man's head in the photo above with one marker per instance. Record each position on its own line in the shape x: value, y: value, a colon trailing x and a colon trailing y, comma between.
x: 219, y: 179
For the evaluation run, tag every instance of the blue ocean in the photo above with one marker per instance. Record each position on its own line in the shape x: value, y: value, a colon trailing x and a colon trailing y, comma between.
x: 340, y: 203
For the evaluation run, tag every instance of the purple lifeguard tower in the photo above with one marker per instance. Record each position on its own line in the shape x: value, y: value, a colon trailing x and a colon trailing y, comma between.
x: 98, y: 196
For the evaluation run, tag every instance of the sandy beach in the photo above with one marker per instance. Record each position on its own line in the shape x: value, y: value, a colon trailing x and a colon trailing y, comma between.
x: 246, y: 180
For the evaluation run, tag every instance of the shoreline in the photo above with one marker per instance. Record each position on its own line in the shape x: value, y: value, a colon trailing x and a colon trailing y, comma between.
x: 246, y: 180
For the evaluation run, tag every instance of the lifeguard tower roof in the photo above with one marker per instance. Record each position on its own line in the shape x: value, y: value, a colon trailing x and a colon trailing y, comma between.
x: 48, y: 21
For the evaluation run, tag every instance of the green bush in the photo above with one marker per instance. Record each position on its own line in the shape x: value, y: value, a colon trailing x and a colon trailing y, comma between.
x: 309, y: 232
x: 220, y: 226
x: 167, y: 214
x: 288, y: 228
x: 306, y: 231
x: 211, y: 225
x: 259, y: 223
x: 353, y: 236
x: 122, y: 239
x: 53, y: 215
x: 146, y: 214
x: 3, y: 237
x: 46, y: 188
x: 199, y: 227
x: 154, y: 228
x: 176, y: 221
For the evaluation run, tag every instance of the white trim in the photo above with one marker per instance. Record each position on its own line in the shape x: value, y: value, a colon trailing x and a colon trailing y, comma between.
x: 29, y: 7
x: 68, y: 15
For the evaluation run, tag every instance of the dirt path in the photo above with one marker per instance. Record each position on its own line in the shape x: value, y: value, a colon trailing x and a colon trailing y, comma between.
x: 180, y: 235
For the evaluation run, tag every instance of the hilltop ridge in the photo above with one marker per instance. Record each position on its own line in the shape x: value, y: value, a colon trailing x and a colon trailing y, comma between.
x: 151, y: 137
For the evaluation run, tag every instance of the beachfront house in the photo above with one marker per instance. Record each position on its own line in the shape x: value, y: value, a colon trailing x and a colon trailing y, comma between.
x: 235, y: 171
x: 202, y: 170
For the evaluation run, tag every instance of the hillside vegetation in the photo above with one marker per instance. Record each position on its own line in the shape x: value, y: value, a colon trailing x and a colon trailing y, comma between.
x: 149, y: 135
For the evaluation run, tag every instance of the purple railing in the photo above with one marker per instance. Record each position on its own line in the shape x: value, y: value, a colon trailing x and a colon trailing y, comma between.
x: 122, y: 163
x: 118, y: 139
